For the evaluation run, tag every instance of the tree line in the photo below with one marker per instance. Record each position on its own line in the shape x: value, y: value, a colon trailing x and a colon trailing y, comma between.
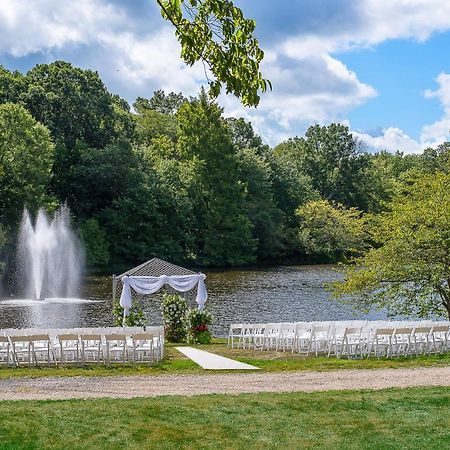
x: 170, y: 176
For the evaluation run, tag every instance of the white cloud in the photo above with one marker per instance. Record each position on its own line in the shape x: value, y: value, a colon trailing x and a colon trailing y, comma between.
x: 392, y: 139
x: 310, y: 83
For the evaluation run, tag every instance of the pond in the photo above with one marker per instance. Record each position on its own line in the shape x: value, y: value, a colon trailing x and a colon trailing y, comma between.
x: 275, y: 294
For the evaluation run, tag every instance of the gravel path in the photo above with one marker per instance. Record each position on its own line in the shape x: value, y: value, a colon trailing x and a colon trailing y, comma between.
x: 228, y: 383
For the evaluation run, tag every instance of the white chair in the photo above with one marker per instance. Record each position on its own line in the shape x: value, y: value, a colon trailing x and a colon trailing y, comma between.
x: 42, y: 349
x: 287, y: 336
x: 439, y: 339
x: 236, y: 331
x: 337, y: 339
x: 420, y: 342
x: 5, y: 350
x: 302, y: 337
x: 68, y: 348
x: 381, y: 342
x: 352, y: 343
x: 258, y: 333
x: 143, y: 348
x: 401, y: 339
x: 247, y: 335
x: 21, y: 349
x: 319, y: 339
x: 116, y: 348
x: 271, y: 336
x: 91, y: 348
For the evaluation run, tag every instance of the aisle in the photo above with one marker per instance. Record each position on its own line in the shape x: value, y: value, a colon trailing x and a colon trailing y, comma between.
x: 210, y: 361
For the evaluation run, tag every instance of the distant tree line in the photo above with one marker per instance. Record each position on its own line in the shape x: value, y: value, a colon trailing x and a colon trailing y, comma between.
x: 171, y: 177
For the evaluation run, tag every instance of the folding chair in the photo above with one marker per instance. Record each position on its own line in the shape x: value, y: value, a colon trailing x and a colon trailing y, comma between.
x: 42, y: 349
x: 402, y: 341
x: 91, y: 348
x: 439, y: 341
x: 381, y: 342
x: 5, y: 350
x: 68, y: 347
x: 116, y: 348
x: 236, y: 331
x: 143, y: 348
x: 319, y: 341
x: 302, y: 337
x: 420, y: 341
x: 21, y: 349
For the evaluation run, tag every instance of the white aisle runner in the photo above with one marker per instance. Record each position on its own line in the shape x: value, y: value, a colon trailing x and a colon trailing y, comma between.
x: 213, y: 362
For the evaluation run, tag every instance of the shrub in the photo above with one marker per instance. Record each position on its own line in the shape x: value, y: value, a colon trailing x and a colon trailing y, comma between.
x: 198, y: 321
x: 135, y: 317
x: 174, y: 309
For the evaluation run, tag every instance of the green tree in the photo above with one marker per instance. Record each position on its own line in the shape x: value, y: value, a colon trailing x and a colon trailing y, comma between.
x: 331, y: 157
x: 26, y: 157
x: 73, y: 103
x: 266, y: 218
x: 97, y: 177
x: 330, y: 232
x: 95, y: 244
x: 222, y: 229
x: 160, y: 102
x: 217, y: 33
x: 408, y: 269
x: 243, y: 135
x: 11, y: 85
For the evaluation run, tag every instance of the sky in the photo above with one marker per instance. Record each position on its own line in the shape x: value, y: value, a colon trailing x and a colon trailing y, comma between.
x: 382, y: 68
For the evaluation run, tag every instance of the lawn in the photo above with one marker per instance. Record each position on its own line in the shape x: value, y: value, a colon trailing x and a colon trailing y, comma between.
x: 268, y: 361
x: 416, y: 418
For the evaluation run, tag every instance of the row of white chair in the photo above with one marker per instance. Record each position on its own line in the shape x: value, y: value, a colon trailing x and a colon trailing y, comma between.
x: 345, y: 338
x: 81, y: 346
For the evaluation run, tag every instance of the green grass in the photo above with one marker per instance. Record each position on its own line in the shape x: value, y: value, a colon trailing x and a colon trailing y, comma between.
x: 417, y: 418
x: 271, y: 361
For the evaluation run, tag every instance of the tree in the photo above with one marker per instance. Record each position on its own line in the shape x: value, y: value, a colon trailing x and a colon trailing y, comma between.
x: 11, y: 85
x: 266, y: 218
x: 243, y: 134
x: 95, y: 244
x: 73, y: 103
x: 331, y: 157
x: 328, y: 231
x: 222, y: 229
x: 160, y: 102
x: 217, y: 33
x: 97, y: 177
x: 407, y: 271
x: 26, y: 157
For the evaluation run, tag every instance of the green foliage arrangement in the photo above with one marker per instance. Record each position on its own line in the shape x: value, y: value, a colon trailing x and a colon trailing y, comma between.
x: 197, y: 323
x: 135, y: 318
x: 174, y: 310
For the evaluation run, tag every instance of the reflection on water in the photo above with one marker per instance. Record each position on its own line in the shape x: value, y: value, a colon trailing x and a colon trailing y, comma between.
x: 285, y: 293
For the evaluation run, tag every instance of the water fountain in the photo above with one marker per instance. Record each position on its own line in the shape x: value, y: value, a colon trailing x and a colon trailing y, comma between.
x: 49, y: 256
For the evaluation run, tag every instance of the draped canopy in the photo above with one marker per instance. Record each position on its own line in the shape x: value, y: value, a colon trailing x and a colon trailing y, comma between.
x: 150, y: 285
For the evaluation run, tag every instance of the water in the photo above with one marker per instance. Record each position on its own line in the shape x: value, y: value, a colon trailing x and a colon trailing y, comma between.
x: 285, y: 293
x: 49, y: 256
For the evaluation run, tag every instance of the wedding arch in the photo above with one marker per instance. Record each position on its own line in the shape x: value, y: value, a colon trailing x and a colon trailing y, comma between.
x: 152, y: 275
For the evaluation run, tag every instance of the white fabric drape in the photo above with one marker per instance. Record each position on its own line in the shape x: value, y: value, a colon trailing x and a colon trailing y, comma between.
x: 150, y: 285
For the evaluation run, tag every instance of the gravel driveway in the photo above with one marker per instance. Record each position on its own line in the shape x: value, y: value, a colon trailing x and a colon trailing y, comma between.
x: 226, y: 383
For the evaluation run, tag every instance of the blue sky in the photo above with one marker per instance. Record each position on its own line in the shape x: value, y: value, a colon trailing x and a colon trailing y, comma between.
x: 378, y: 66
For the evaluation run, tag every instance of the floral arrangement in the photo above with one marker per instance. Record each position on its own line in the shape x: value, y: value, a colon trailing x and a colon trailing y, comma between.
x: 198, y: 331
x: 174, y: 311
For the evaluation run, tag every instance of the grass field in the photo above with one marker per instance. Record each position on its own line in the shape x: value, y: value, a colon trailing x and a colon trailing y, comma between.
x: 417, y: 418
x: 272, y: 361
